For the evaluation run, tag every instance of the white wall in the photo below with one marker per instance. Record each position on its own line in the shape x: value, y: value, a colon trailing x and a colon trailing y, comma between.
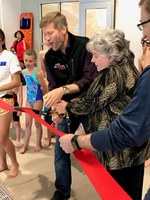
x: 128, y: 15
x: 0, y: 13
x: 9, y: 20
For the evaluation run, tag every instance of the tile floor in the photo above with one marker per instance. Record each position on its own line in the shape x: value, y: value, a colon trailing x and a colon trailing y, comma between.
x: 36, y: 177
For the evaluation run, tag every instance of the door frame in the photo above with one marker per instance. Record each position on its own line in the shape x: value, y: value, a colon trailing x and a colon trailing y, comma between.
x: 109, y: 5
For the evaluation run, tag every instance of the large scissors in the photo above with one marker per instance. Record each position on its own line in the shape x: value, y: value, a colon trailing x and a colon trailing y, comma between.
x: 41, y: 112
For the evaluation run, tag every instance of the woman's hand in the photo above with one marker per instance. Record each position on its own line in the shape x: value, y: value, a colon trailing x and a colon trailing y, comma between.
x: 56, y: 118
x: 80, y: 130
x: 65, y: 143
x: 61, y: 107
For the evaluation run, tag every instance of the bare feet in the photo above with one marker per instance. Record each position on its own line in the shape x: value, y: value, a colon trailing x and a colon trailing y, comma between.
x: 147, y: 163
x: 19, y: 144
x: 37, y: 148
x: 23, y: 150
x: 13, y: 171
x: 3, y: 168
x: 47, y: 142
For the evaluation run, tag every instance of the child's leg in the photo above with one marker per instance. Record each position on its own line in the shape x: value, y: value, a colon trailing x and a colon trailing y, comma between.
x: 16, y: 124
x: 38, y: 105
x: 147, y: 163
x: 39, y: 132
x: 16, y: 118
x: 27, y: 135
x: 50, y: 134
x: 3, y: 162
x: 7, y: 146
x: 18, y: 134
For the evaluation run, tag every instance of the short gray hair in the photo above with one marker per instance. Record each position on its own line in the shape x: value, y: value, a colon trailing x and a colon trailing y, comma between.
x: 112, y: 43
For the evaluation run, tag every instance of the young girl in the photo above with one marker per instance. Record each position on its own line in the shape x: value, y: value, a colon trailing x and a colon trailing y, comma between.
x: 36, y: 88
x: 9, y: 79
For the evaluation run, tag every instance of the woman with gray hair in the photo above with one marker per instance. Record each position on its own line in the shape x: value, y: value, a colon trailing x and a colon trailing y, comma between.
x: 107, y: 97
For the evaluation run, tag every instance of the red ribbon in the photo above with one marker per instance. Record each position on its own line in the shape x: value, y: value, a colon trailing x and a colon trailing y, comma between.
x: 103, y: 182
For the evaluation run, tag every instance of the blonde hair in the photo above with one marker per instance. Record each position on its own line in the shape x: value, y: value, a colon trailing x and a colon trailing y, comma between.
x: 30, y: 52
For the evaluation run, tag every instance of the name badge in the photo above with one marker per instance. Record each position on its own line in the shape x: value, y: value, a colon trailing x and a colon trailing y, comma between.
x: 3, y: 63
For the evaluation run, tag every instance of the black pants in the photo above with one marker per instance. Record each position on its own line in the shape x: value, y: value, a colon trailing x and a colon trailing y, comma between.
x: 131, y: 180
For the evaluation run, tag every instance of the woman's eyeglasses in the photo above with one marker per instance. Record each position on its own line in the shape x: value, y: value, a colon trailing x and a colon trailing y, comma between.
x: 145, y: 41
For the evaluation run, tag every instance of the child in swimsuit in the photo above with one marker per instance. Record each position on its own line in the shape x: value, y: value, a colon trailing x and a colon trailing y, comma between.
x: 36, y: 88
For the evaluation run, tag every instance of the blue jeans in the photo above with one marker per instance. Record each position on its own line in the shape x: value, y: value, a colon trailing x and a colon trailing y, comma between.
x: 63, y: 163
x: 147, y: 195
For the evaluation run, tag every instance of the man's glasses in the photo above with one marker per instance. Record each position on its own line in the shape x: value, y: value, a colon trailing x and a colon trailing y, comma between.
x: 140, y: 26
x: 145, y: 41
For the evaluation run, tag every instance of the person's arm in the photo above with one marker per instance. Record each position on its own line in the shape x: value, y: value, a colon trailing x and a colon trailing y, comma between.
x: 15, y: 74
x: 20, y: 95
x: 21, y: 48
x: 14, y: 83
x: 89, y: 73
x: 42, y: 60
x: 41, y: 80
x: 55, y: 95
x: 131, y: 128
x: 12, y: 47
x: 107, y: 86
x: 84, y: 141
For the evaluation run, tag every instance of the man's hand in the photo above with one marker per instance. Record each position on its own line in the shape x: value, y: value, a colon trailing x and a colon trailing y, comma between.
x: 53, y: 97
x: 65, y: 143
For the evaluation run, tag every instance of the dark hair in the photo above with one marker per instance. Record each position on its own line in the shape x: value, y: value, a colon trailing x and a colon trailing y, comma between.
x: 22, y: 35
x: 2, y: 36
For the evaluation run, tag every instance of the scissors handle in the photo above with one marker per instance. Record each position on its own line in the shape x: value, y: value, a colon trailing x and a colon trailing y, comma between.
x: 41, y: 112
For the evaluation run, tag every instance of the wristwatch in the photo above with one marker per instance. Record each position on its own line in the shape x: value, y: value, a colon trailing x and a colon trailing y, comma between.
x: 66, y: 90
x: 74, y: 142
